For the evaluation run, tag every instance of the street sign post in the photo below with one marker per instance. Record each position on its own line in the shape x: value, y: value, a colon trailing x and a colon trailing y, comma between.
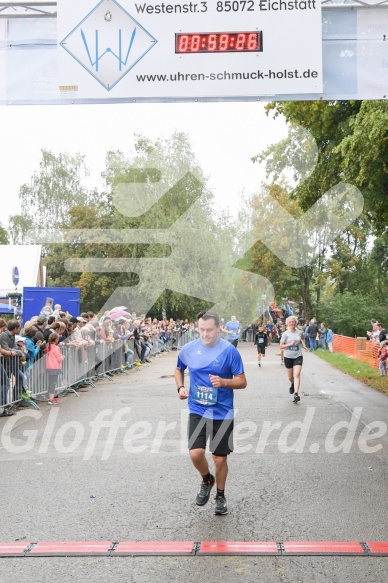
x: 15, y: 276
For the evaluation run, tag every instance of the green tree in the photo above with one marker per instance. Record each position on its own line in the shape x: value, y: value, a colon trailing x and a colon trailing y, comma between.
x: 21, y: 230
x: 298, y: 284
x: 378, y: 268
x: 4, y: 239
x: 351, y: 137
x: 350, y: 313
x: 166, y: 174
x: 47, y: 199
x: 351, y: 146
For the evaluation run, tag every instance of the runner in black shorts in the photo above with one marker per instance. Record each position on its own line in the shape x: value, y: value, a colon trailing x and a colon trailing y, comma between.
x: 290, y: 342
x: 219, y: 431
x: 261, y: 341
x: 216, y: 371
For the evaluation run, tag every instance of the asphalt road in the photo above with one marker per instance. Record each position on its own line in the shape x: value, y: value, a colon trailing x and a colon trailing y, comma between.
x: 302, y: 472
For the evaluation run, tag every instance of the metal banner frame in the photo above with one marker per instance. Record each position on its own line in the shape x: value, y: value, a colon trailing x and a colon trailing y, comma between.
x: 354, y: 52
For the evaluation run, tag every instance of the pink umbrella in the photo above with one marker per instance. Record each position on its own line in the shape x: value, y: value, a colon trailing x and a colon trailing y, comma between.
x: 116, y: 315
x: 117, y: 309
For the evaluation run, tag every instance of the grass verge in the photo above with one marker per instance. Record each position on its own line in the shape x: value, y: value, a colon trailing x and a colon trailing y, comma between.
x: 359, y: 370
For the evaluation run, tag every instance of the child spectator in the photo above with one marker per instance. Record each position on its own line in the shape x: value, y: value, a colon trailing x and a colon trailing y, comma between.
x: 383, y: 356
x: 47, y: 309
x: 32, y: 345
x: 54, y: 366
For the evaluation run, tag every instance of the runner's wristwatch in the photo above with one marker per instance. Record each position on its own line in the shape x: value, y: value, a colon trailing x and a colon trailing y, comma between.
x: 181, y: 387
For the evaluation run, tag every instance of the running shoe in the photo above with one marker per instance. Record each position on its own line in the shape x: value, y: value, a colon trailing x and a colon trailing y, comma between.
x: 204, y: 492
x: 57, y: 400
x: 52, y: 402
x: 259, y: 363
x: 221, y: 506
x: 291, y: 389
x: 296, y: 398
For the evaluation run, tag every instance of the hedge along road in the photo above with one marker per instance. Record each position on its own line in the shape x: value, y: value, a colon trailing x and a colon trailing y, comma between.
x: 112, y: 465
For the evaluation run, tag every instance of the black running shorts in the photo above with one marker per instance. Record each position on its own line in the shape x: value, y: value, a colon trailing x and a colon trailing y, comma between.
x: 291, y: 362
x: 220, y: 433
x: 261, y: 349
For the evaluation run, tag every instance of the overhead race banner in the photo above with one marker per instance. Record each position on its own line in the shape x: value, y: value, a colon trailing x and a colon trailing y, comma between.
x: 212, y: 48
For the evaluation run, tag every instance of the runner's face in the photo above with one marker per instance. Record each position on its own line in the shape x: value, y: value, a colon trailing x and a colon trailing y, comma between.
x: 208, y: 331
x: 292, y: 324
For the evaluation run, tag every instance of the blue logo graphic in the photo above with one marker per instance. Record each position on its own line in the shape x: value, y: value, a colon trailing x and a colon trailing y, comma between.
x: 108, y: 50
x: 108, y: 43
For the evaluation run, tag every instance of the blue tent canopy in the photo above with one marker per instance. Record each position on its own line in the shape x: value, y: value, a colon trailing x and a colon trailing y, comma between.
x: 5, y: 309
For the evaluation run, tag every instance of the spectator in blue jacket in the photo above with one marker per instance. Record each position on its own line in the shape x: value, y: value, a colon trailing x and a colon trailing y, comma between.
x: 33, y: 346
x: 329, y: 338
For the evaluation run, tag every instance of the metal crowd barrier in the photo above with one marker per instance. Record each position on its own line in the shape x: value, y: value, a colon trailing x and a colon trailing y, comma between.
x: 81, y: 365
x: 249, y: 335
x: 156, y: 348
x: 178, y: 338
x: 11, y: 383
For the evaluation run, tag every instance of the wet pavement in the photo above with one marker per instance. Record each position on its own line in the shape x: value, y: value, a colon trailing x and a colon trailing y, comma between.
x: 112, y: 465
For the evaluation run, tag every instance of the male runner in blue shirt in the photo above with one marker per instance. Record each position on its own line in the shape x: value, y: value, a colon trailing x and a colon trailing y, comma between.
x: 216, y: 370
x: 233, y: 330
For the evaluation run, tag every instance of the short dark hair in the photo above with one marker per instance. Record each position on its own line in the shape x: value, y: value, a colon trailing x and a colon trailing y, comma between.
x: 13, y: 325
x: 73, y: 320
x: 38, y: 336
x: 208, y: 315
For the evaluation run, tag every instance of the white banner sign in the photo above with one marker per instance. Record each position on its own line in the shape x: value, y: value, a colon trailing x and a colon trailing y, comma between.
x: 155, y: 49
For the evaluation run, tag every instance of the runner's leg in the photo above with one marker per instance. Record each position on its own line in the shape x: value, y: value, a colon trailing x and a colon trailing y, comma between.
x: 199, y: 461
x: 297, y: 370
x: 221, y: 465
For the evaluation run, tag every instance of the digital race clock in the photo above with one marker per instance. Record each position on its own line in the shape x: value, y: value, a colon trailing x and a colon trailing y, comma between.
x: 218, y: 42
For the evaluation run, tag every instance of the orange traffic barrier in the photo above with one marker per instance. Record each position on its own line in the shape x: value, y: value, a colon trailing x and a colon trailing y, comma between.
x: 351, y: 347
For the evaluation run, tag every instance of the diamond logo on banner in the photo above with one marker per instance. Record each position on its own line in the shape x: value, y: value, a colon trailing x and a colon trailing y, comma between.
x: 108, y: 43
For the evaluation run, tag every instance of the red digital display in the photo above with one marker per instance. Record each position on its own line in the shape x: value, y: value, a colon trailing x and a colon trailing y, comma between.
x: 219, y: 42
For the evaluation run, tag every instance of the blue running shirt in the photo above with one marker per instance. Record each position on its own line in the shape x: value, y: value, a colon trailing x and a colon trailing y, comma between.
x: 233, y: 328
x: 222, y: 360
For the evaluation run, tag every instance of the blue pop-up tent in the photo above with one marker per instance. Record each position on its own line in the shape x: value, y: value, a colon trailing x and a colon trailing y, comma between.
x: 5, y: 309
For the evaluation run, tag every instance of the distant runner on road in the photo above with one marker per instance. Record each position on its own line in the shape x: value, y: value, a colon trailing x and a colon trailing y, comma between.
x: 261, y: 341
x: 233, y: 329
x: 290, y: 342
x: 216, y: 370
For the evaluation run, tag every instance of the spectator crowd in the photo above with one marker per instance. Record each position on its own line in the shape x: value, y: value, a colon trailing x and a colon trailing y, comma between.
x: 142, y: 338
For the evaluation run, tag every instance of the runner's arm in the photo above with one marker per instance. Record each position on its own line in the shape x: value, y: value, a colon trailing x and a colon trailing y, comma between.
x: 237, y: 382
x: 179, y: 376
